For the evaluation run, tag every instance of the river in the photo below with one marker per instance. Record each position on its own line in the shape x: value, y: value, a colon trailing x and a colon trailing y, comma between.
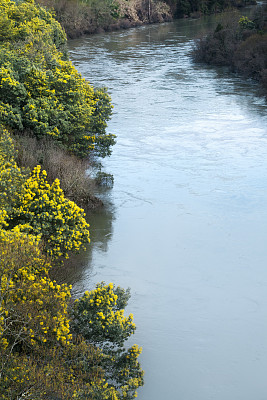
x: 185, y: 224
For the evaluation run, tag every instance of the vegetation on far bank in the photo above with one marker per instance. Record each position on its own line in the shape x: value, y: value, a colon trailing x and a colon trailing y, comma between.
x: 240, y: 44
x: 52, y: 347
x: 91, y: 16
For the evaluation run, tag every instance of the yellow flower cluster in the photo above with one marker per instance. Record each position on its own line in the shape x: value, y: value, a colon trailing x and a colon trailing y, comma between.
x: 40, y: 303
x: 7, y: 81
x: 100, y: 308
x: 30, y: 204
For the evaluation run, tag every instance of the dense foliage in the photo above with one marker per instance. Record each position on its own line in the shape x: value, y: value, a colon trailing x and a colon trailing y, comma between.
x: 197, y: 7
x: 40, y: 90
x: 36, y: 207
x: 50, y: 347
x: 40, y: 356
x: 99, y: 317
x: 90, y: 16
x: 240, y: 44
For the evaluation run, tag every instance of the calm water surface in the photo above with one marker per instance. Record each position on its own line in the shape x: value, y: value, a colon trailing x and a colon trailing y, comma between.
x: 185, y: 223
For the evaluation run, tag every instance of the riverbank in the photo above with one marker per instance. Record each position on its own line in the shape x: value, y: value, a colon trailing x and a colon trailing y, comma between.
x: 52, y: 123
x: 56, y: 118
x: 78, y: 184
x: 80, y: 18
x: 240, y: 44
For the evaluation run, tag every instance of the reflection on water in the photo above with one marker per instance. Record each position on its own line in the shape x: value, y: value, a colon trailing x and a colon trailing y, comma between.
x: 185, y: 226
x: 78, y: 268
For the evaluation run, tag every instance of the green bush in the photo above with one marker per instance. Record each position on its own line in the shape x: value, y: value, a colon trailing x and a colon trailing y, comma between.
x: 34, y: 206
x: 40, y: 90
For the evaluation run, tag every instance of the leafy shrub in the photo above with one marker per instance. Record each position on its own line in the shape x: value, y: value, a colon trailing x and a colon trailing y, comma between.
x: 40, y: 90
x: 251, y: 56
x: 99, y: 317
x: 39, y: 358
x: 241, y: 45
x: 34, y: 206
x: 246, y: 23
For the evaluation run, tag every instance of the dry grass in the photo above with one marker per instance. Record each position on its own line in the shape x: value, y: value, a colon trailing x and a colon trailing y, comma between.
x: 70, y: 170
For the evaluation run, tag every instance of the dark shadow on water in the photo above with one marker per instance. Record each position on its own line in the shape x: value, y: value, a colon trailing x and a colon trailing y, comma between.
x: 80, y: 266
x: 247, y: 92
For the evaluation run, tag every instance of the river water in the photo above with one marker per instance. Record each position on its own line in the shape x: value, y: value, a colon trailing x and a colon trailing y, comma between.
x: 185, y: 224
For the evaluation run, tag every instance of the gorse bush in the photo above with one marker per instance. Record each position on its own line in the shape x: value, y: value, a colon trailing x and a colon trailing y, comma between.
x: 50, y: 347
x: 25, y: 282
x: 40, y: 90
x: 76, y: 182
x: 34, y: 206
x: 41, y: 355
x: 99, y: 317
x: 33, y: 311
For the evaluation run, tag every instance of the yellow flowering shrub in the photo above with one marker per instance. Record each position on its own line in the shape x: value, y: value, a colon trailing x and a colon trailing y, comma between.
x: 40, y: 90
x: 34, y: 206
x: 41, y: 304
x: 43, y: 210
x: 22, y: 19
x: 99, y: 317
x: 11, y: 177
x: 38, y: 357
x: 41, y: 356
x: 33, y: 308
